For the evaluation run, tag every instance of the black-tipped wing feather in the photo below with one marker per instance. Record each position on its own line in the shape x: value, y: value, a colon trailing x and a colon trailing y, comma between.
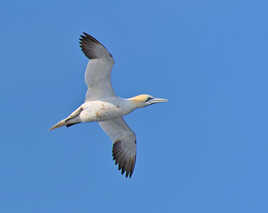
x: 124, y: 144
x: 92, y: 48
x: 98, y: 72
x: 125, y: 160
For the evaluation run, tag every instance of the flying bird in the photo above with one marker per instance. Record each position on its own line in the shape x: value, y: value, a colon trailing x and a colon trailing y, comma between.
x: 102, y: 105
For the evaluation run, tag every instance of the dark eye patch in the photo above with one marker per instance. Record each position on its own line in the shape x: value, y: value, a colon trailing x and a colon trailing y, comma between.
x: 148, y: 99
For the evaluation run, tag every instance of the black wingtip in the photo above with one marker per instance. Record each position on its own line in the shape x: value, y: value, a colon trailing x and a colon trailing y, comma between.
x: 126, y: 166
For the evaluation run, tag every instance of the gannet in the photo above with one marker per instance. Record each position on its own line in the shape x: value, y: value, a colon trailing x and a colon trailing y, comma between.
x: 102, y: 105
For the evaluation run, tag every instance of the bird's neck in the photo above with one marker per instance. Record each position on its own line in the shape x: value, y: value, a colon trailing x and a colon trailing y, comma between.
x: 135, y: 102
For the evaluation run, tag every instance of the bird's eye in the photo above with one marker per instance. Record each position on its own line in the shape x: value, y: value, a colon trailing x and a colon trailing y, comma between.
x: 148, y: 99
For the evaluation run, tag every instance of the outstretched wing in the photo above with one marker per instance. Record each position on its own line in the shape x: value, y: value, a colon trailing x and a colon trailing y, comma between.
x: 98, y: 69
x: 124, y: 144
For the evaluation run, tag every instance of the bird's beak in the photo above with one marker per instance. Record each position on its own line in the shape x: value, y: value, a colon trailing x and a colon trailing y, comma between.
x: 159, y: 100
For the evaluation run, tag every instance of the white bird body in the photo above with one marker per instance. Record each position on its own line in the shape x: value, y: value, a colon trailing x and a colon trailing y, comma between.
x: 102, y: 105
x: 104, y: 109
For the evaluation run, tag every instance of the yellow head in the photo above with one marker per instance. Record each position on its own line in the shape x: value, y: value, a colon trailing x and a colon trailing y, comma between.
x: 146, y: 100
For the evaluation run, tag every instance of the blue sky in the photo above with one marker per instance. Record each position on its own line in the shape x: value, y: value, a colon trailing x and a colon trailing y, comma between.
x: 203, y: 151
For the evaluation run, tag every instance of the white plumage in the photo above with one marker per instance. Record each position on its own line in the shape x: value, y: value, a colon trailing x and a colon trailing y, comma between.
x: 102, y: 105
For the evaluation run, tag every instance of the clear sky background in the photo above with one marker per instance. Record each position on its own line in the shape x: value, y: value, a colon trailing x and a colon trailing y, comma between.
x: 203, y: 151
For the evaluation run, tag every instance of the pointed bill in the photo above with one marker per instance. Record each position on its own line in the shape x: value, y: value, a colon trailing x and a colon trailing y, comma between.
x: 159, y: 100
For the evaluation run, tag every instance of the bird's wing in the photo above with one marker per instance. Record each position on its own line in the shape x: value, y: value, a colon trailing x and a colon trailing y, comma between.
x: 98, y: 69
x: 124, y: 144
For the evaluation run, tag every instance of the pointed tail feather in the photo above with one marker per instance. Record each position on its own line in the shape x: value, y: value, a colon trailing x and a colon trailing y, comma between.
x: 70, y: 120
x: 59, y: 124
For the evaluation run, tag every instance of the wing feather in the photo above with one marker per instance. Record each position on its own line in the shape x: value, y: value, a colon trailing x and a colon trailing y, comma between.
x: 124, y: 144
x: 98, y: 71
x: 92, y: 48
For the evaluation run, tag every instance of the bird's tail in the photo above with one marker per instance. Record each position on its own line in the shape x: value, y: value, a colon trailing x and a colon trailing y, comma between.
x: 59, y: 124
x: 70, y: 120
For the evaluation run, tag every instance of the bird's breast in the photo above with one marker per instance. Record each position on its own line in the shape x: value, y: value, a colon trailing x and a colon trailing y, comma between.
x: 101, y: 110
